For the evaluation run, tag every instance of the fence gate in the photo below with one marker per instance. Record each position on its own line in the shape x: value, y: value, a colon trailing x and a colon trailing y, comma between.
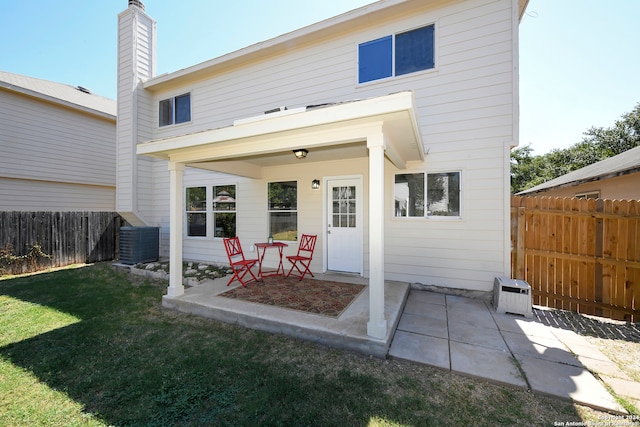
x: 579, y: 254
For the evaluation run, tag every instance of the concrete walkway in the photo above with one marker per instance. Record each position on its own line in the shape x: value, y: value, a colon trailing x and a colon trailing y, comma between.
x: 463, y: 335
x: 468, y: 337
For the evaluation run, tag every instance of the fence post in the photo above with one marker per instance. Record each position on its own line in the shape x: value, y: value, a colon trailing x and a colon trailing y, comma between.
x: 520, y: 258
x: 598, y: 255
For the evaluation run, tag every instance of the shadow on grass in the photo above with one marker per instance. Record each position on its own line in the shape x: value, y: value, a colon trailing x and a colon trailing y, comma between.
x: 130, y: 362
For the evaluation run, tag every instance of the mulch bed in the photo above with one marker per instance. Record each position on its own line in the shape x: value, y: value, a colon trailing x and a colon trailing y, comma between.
x: 312, y: 296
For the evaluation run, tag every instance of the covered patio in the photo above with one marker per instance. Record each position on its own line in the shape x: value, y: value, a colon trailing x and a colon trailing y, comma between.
x: 381, y: 129
x: 347, y: 331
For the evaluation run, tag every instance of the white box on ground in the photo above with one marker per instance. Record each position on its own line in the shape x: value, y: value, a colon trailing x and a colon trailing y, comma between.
x: 512, y: 296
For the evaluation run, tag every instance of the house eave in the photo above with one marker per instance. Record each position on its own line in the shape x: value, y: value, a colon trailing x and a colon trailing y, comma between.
x: 522, y: 8
x: 332, y: 125
x: 542, y: 188
x: 57, y: 101
x: 329, y: 28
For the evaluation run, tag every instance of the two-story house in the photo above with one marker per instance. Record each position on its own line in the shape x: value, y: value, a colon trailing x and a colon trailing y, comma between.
x: 58, y: 147
x: 386, y: 131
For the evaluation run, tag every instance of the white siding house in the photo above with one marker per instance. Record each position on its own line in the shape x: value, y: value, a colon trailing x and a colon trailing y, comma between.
x: 58, y: 147
x: 407, y: 109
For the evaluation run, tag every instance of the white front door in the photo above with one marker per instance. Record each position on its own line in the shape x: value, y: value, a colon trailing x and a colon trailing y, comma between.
x: 344, y: 228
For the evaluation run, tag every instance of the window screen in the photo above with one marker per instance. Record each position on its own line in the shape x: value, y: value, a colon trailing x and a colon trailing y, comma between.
x: 443, y: 194
x: 174, y: 110
x: 375, y: 59
x: 414, y: 50
x: 183, y: 108
x: 283, y: 210
x: 196, y: 203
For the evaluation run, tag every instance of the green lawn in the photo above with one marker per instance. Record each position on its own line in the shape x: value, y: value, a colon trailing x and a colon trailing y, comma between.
x: 93, y: 347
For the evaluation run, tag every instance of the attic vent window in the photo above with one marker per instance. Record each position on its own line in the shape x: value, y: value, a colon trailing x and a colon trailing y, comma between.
x: 83, y: 89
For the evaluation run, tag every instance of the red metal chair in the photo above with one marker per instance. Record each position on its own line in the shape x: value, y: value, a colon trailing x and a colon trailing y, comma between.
x: 302, y: 259
x: 239, y: 264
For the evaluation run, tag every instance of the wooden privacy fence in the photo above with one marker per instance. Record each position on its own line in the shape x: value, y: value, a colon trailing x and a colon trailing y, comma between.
x: 579, y: 254
x: 68, y: 237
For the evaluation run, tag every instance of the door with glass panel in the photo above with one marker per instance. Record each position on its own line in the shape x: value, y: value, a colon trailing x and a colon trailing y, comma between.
x: 344, y: 228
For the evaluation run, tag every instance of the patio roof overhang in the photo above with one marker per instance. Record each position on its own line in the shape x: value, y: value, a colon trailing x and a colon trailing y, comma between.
x: 330, y: 131
x: 377, y: 128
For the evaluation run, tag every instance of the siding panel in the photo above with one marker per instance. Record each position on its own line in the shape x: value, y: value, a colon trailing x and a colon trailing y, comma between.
x: 465, y: 113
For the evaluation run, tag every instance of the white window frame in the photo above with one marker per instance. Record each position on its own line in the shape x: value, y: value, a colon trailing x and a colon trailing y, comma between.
x: 296, y: 210
x: 393, y: 75
x: 213, y: 212
x: 460, y: 196
x: 172, y: 99
x: 205, y: 211
x: 210, y: 213
x: 425, y: 197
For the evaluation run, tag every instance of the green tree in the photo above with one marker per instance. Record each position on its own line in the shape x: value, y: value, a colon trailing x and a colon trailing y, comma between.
x: 528, y: 170
x: 623, y: 136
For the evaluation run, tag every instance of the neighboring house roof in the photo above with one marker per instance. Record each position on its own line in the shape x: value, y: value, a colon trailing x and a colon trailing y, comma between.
x: 622, y: 164
x: 58, y: 93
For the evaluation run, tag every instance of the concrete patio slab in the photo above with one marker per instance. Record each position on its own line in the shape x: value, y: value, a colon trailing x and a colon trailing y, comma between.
x: 488, y: 363
x: 567, y: 382
x: 578, y: 344
x: 433, y: 326
x: 490, y: 351
x: 603, y: 367
x: 421, y: 348
x: 460, y: 334
x: 471, y: 314
x: 508, y: 322
x: 624, y: 387
x: 428, y: 297
x: 539, y: 348
x: 483, y: 337
x: 348, y: 331
x: 421, y: 308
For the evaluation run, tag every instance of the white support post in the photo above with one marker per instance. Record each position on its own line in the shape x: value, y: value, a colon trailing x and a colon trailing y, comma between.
x: 377, y: 326
x: 176, y: 213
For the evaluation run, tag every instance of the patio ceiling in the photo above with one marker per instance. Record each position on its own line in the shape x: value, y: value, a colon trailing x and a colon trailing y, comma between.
x: 328, y: 132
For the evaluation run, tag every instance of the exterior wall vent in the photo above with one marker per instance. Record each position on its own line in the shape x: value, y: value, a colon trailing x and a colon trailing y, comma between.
x: 139, y: 244
x: 276, y: 110
x: 270, y: 114
x: 136, y: 3
x: 512, y: 296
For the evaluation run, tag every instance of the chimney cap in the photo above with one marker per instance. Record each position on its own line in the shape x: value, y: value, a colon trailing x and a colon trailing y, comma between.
x: 136, y: 3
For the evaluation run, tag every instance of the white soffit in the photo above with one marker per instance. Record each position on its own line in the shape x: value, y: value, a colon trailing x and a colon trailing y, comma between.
x: 331, y: 125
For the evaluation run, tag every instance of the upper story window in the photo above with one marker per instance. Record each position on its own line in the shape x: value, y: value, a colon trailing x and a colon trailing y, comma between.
x: 175, y: 110
x: 433, y: 195
x: 396, y: 55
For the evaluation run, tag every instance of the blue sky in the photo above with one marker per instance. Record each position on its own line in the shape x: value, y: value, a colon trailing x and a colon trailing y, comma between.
x: 578, y: 58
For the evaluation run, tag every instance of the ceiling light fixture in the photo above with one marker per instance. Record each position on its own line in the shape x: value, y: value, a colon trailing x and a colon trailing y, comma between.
x: 300, y: 153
